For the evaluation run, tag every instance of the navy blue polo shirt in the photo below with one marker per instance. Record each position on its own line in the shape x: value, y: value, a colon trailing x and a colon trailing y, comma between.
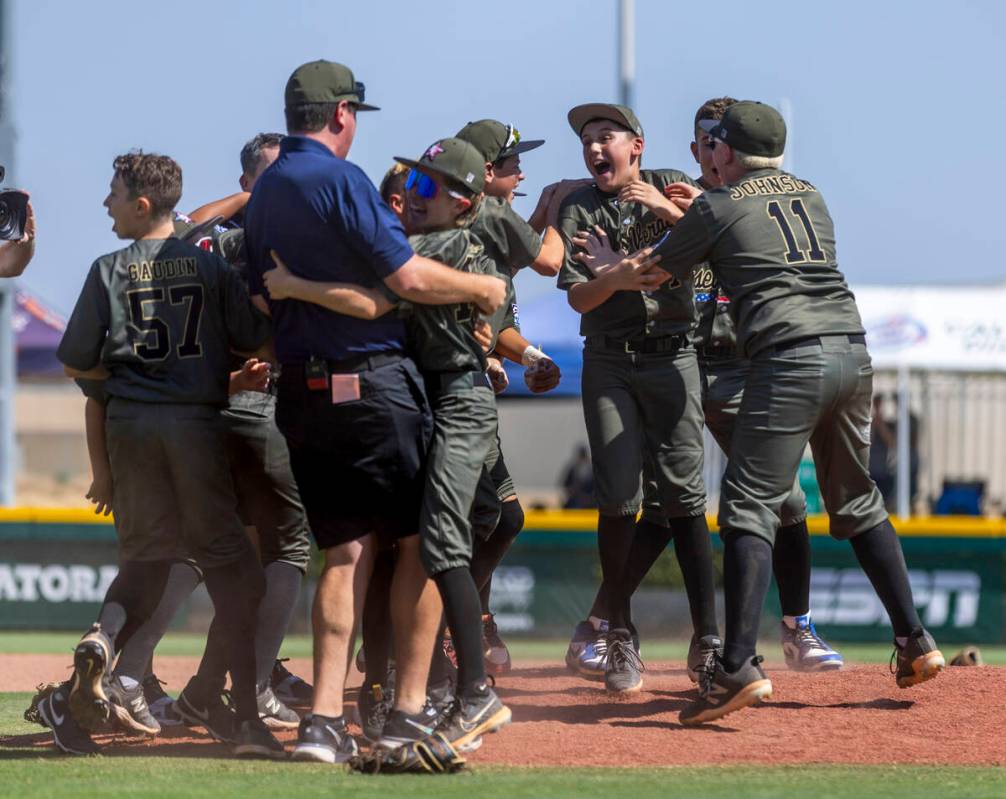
x: 328, y: 223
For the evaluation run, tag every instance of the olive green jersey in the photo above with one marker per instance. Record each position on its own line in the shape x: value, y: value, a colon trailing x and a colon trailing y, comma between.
x: 771, y: 244
x: 714, y: 329
x: 626, y: 315
x: 511, y: 244
x: 163, y: 317
x: 442, y: 337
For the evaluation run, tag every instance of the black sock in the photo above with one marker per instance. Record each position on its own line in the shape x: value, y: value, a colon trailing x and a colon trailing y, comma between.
x: 614, y: 542
x: 747, y: 571
x: 791, y: 567
x: 211, y: 675
x: 132, y: 598
x: 376, y: 623
x: 489, y: 553
x: 236, y: 590
x: 464, y: 617
x: 879, y: 553
x: 694, y: 549
x: 649, y: 540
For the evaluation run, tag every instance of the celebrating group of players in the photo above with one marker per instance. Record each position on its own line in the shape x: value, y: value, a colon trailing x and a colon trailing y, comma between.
x: 288, y: 358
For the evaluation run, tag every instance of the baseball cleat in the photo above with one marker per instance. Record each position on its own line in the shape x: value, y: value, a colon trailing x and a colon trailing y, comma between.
x: 275, y: 714
x: 253, y: 739
x: 588, y: 649
x: 324, y: 740
x: 497, y: 656
x: 288, y: 687
x: 402, y: 728
x: 722, y: 692
x: 213, y: 713
x: 469, y: 719
x: 88, y: 701
x: 702, y: 654
x: 805, y: 650
x: 373, y: 705
x: 54, y: 713
x: 918, y: 660
x: 162, y: 706
x: 623, y: 668
x: 130, y: 709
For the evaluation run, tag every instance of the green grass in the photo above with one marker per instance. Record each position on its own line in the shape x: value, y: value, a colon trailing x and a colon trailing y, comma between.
x: 300, y: 646
x: 27, y: 772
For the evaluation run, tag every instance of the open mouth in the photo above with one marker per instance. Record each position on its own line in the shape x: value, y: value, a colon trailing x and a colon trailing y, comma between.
x: 602, y: 167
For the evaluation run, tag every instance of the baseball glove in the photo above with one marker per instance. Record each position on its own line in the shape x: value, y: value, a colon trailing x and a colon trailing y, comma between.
x: 432, y: 755
x: 42, y: 691
x: 968, y: 656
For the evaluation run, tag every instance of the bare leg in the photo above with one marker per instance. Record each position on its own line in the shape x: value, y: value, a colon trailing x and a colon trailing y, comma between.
x: 415, y: 619
x: 337, y: 607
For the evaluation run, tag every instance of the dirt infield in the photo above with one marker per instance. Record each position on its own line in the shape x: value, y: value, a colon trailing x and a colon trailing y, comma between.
x: 857, y: 716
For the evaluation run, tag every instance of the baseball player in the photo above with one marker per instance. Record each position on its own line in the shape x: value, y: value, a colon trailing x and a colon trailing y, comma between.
x: 641, y: 390
x: 444, y: 191
x: 770, y: 242
x: 157, y: 321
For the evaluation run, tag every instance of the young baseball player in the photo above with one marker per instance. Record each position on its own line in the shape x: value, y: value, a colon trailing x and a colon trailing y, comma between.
x: 641, y: 390
x: 444, y: 191
x: 770, y: 242
x: 157, y: 321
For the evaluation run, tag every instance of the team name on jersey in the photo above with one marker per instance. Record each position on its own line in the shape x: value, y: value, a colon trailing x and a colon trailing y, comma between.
x: 640, y: 234
x: 778, y: 184
x: 145, y: 271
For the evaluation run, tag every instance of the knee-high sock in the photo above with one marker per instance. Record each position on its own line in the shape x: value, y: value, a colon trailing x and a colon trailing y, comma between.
x: 236, y: 590
x: 376, y: 624
x: 464, y: 616
x: 694, y: 550
x: 282, y: 585
x: 489, y: 553
x: 136, y: 655
x: 791, y: 567
x: 879, y: 553
x: 614, y: 542
x: 132, y: 598
x: 747, y: 571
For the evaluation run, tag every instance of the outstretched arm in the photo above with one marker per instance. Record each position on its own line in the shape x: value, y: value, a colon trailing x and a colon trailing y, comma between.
x: 344, y: 298
x: 225, y: 207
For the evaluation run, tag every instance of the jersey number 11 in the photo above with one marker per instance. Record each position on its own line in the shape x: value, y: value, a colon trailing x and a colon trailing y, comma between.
x: 794, y: 255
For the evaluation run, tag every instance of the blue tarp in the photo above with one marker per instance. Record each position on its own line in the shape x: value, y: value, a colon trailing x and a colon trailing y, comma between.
x: 550, y: 324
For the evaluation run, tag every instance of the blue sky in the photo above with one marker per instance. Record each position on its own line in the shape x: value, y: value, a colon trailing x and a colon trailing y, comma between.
x: 897, y: 105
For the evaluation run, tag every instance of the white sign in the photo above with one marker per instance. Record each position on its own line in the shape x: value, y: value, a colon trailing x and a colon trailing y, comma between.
x: 33, y: 582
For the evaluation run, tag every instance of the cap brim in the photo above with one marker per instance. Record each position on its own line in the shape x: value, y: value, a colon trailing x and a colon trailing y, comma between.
x: 365, y: 107
x: 582, y: 114
x: 708, y: 124
x: 522, y: 147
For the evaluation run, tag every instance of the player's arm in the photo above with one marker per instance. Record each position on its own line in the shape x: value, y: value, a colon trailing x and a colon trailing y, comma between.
x: 15, y: 255
x: 549, y: 260
x: 344, y: 298
x: 98, y: 372
x: 100, y: 492
x: 541, y: 373
x: 688, y: 243
x: 633, y: 273
x: 429, y: 282
x: 648, y: 195
x: 225, y: 207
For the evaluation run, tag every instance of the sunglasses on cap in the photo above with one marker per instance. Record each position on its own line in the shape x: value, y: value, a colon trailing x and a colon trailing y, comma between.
x: 512, y: 138
x: 360, y: 91
x: 426, y: 187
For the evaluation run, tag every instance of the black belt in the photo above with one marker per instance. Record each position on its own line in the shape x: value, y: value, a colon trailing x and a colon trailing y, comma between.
x: 356, y: 363
x: 444, y: 382
x: 647, y: 346
x: 806, y: 341
x: 720, y: 353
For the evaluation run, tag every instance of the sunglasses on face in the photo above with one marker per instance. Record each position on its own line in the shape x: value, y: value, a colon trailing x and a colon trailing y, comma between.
x: 426, y: 187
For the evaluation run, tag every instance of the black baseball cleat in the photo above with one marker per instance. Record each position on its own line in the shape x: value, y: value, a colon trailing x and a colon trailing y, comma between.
x: 623, y: 666
x: 324, y: 740
x: 723, y: 692
x: 89, y: 702
x: 402, y: 728
x: 130, y: 709
x: 274, y: 713
x: 67, y: 735
x: 918, y: 660
x: 162, y: 706
x: 212, y: 712
x: 702, y: 654
x: 253, y: 739
x: 471, y: 717
x: 289, y: 688
x: 373, y: 705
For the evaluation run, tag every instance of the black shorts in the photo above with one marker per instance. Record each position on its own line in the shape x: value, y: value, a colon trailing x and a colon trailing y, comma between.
x: 359, y: 465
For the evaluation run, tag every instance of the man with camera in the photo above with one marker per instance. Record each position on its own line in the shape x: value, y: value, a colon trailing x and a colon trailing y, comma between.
x: 17, y: 232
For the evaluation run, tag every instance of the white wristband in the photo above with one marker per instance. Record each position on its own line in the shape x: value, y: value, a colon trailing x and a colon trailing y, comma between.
x: 531, y: 355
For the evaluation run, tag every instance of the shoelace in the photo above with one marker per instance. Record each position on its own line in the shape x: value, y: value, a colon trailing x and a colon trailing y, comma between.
x: 151, y: 683
x: 623, y: 653
x: 808, y: 635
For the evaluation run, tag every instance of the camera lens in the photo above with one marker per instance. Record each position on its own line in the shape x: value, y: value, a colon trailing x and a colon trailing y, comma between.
x: 5, y: 218
x: 13, y: 214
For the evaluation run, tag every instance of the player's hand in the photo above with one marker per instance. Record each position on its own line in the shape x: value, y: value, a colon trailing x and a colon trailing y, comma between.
x: 560, y: 191
x: 100, y: 494
x: 682, y: 194
x: 29, y: 228
x: 598, y: 255
x: 639, y: 191
x: 252, y: 376
x: 484, y: 334
x: 638, y: 272
x: 280, y: 281
x: 497, y: 375
x: 543, y: 375
x: 539, y: 217
x: 490, y: 293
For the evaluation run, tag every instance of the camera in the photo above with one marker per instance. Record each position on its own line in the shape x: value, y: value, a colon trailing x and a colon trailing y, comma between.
x: 13, y: 212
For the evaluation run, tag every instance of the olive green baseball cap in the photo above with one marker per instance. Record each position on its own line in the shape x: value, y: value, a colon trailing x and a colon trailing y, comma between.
x: 623, y: 115
x: 454, y: 159
x: 325, y: 82
x: 495, y: 140
x: 751, y: 127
